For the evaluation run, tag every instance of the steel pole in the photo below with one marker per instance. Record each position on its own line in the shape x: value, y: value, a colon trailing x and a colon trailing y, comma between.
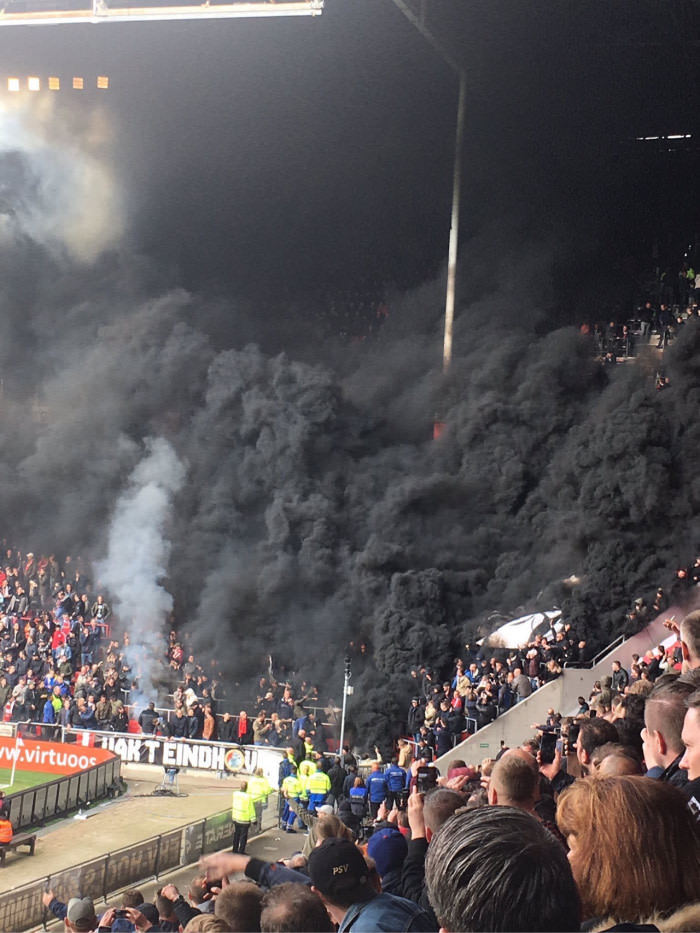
x: 346, y: 684
x: 454, y: 226
x: 419, y: 20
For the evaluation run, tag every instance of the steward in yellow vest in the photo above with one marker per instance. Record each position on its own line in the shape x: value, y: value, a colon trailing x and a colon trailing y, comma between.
x: 306, y: 769
x: 319, y: 786
x: 259, y: 789
x: 242, y: 814
x: 292, y: 788
x: 293, y: 791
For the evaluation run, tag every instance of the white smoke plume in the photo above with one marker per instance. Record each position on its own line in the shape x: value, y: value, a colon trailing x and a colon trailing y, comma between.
x: 57, y: 185
x: 137, y: 558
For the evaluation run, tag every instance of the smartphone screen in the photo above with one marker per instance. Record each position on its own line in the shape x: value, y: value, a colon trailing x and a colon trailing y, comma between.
x: 548, y: 743
x: 426, y: 778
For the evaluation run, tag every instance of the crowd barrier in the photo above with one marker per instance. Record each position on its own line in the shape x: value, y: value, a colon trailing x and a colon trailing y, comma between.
x: 22, y: 908
x: 331, y: 722
x: 32, y: 807
x: 194, y: 754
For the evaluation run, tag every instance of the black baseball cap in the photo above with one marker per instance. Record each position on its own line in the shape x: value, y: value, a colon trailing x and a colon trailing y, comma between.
x: 338, y: 869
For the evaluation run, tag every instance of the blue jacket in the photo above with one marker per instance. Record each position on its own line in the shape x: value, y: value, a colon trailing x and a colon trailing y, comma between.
x: 268, y: 874
x: 376, y: 787
x: 58, y: 908
x: 395, y: 778
x: 358, y: 800
x: 49, y: 713
x: 386, y: 912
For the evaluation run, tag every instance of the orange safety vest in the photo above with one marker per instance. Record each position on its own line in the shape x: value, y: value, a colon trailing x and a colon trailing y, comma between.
x: 6, y: 831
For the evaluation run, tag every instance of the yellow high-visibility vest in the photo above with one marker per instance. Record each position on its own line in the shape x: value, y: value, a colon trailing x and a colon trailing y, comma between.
x: 319, y: 783
x: 259, y: 788
x: 242, y: 807
x: 292, y: 786
x: 306, y: 769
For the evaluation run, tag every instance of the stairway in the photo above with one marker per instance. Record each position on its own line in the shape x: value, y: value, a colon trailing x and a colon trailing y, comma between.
x: 514, y: 726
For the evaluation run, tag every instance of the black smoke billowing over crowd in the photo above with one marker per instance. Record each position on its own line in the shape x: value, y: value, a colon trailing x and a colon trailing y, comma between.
x: 315, y: 508
x: 297, y: 496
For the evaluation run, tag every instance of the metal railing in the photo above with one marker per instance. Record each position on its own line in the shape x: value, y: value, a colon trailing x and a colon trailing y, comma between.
x: 99, y: 878
x: 168, y: 712
x: 165, y: 713
x: 36, y: 805
x: 587, y: 665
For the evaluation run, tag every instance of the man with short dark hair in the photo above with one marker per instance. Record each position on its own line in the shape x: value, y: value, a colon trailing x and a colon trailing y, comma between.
x: 167, y: 920
x: 515, y: 782
x: 395, y: 782
x: 498, y: 868
x: 376, y: 789
x: 415, y: 718
x: 340, y: 876
x: 664, y: 712
x: 293, y: 908
x: 148, y: 718
x: 620, y: 677
x: 691, y: 756
x: 227, y: 728
x: 522, y: 685
x: 592, y: 733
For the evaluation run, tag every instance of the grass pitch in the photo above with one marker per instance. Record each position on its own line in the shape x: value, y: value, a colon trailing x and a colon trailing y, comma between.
x: 23, y: 779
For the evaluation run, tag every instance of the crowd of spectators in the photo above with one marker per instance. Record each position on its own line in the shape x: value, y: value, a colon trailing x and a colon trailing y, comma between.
x: 657, y: 320
x: 485, y: 682
x: 488, y: 680
x: 535, y: 839
x: 592, y: 822
x: 62, y: 665
x: 655, y: 326
x: 58, y: 663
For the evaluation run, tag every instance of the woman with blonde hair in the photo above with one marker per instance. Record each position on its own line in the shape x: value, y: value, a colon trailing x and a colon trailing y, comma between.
x: 634, y: 846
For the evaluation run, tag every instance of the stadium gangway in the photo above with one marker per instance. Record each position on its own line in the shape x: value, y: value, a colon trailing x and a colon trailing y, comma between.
x: 48, y: 12
x: 515, y: 725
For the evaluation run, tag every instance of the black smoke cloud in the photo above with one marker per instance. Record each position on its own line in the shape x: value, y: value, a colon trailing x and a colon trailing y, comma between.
x: 315, y: 508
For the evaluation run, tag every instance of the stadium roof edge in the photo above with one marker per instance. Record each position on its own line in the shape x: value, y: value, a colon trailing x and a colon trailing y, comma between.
x: 41, y: 12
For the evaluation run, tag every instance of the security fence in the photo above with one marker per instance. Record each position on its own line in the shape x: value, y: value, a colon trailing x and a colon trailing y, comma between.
x: 36, y: 805
x: 22, y: 908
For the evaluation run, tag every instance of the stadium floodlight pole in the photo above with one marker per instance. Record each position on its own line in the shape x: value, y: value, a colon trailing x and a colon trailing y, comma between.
x: 419, y: 21
x: 347, y: 689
